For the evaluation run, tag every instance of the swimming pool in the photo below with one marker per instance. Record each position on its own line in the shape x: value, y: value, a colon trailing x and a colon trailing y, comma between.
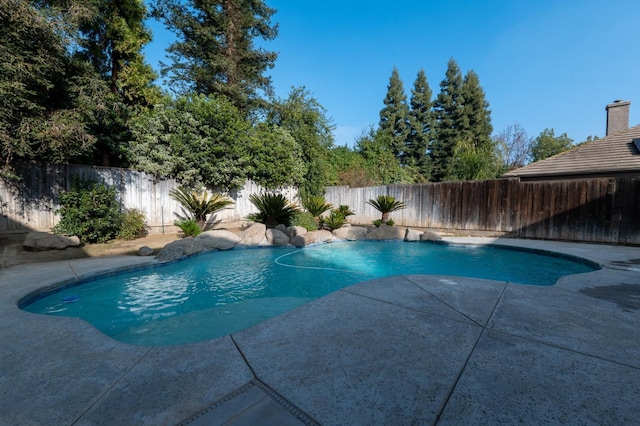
x: 219, y: 293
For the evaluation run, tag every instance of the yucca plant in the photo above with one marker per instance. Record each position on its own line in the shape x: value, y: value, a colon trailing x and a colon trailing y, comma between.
x: 386, y: 204
x: 189, y: 227
x: 200, y: 204
x: 273, y: 209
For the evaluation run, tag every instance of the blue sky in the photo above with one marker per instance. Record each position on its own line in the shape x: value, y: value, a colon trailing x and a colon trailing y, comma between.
x: 544, y: 63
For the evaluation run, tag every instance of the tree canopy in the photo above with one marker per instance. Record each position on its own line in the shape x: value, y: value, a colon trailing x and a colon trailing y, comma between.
x: 547, y: 144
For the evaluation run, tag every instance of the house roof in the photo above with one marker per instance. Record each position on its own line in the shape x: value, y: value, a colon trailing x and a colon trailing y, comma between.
x: 613, y: 155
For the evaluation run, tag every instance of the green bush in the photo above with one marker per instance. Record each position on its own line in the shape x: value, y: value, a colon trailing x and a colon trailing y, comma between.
x: 189, y: 227
x: 306, y: 220
x: 91, y: 211
x: 133, y: 225
x: 377, y: 223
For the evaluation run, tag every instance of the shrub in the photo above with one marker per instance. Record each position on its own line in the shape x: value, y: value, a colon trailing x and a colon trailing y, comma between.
x: 377, y: 223
x: 200, y: 204
x: 133, y: 225
x: 91, y: 211
x: 189, y: 227
x: 306, y: 220
x: 273, y: 209
x: 344, y: 210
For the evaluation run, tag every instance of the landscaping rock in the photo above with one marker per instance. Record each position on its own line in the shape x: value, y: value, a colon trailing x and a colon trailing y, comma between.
x: 430, y: 236
x: 412, y: 235
x: 304, y: 239
x: 179, y: 249
x: 282, y: 228
x: 145, y: 251
x: 322, y: 235
x: 386, y: 232
x: 219, y: 240
x: 254, y: 235
x: 294, y: 231
x: 40, y: 241
x: 351, y: 233
x: 276, y: 237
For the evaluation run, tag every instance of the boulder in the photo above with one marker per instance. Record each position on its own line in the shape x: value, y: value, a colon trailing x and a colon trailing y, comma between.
x: 219, y: 240
x: 386, y: 232
x: 145, y: 251
x: 412, y: 235
x: 312, y: 237
x: 294, y: 231
x: 254, y: 235
x: 281, y: 227
x: 276, y: 237
x: 40, y: 241
x: 351, y: 233
x: 179, y: 249
x: 430, y: 236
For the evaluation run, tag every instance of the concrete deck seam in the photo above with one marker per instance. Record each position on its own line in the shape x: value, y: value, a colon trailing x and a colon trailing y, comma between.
x: 452, y: 307
x: 244, y: 358
x: 75, y: 274
x: 466, y: 362
x: 295, y: 411
x: 475, y: 323
x: 108, y: 390
x: 563, y: 348
x: 218, y: 403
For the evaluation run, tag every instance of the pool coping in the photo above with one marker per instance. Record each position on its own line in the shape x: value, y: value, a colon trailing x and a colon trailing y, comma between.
x: 75, y: 374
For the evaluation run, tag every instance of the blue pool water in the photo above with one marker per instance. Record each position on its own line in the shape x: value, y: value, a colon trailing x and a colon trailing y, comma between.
x: 219, y: 293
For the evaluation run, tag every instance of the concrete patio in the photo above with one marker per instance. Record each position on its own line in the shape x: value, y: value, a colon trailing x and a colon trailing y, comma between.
x: 410, y: 349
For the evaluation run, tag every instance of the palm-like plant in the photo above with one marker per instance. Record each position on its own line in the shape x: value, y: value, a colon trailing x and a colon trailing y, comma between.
x: 344, y: 210
x: 273, y: 209
x: 386, y: 204
x: 200, y: 204
x: 316, y: 205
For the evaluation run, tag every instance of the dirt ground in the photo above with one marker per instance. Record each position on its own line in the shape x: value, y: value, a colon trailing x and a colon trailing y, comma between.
x: 13, y: 254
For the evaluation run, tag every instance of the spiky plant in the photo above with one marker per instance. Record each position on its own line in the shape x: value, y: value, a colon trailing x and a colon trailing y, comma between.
x: 273, y: 209
x: 335, y: 220
x: 200, y: 204
x: 344, y: 210
x: 316, y: 205
x: 386, y: 204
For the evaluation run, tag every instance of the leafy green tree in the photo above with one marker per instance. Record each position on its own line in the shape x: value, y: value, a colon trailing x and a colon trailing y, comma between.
x: 195, y: 139
x: 38, y: 117
x: 215, y: 51
x: 450, y: 120
x: 394, y: 117
x: 380, y: 160
x: 421, y: 126
x: 348, y: 167
x: 306, y: 121
x: 547, y: 144
x: 276, y: 158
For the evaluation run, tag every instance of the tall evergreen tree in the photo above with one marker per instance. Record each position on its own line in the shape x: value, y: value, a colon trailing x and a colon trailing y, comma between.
x: 215, y: 52
x: 477, y: 112
x: 450, y: 122
x: 394, y: 117
x: 421, y: 123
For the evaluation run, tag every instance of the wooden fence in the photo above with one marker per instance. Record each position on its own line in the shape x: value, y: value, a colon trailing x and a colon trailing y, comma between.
x: 593, y: 210
x: 31, y: 203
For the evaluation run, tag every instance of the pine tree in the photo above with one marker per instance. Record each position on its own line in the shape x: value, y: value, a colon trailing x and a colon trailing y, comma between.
x: 477, y: 112
x: 450, y: 122
x: 394, y: 117
x: 215, y: 52
x: 421, y: 123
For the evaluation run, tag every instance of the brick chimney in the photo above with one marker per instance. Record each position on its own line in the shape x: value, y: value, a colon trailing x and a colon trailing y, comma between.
x: 617, y: 116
